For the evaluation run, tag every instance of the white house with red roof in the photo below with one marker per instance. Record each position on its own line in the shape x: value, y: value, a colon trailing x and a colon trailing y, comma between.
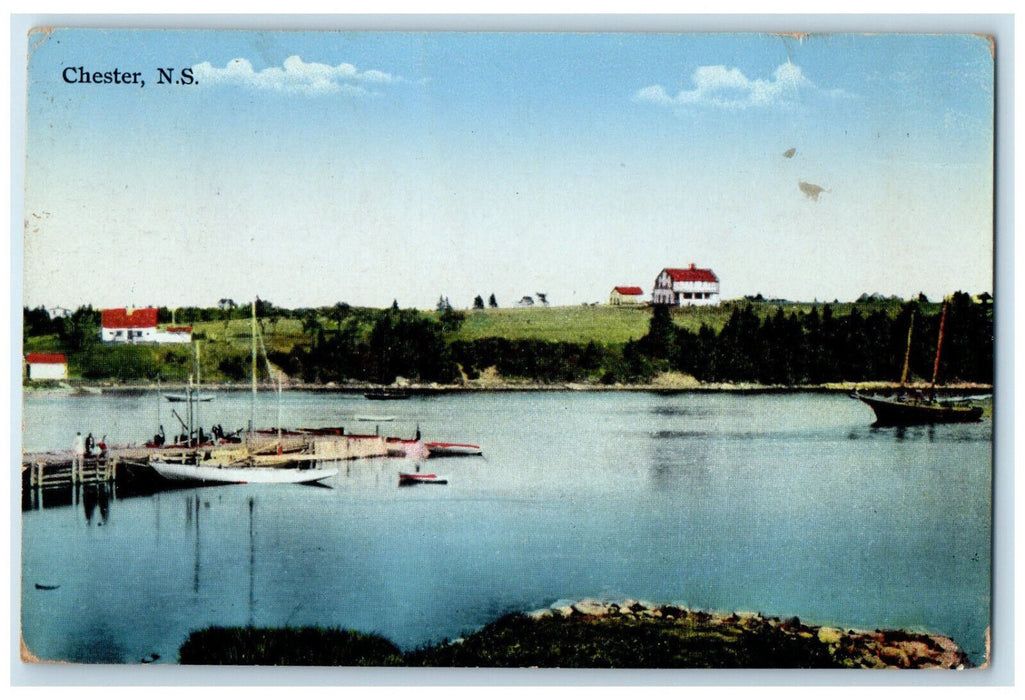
x: 624, y: 295
x: 139, y: 326
x: 41, y: 365
x: 686, y: 286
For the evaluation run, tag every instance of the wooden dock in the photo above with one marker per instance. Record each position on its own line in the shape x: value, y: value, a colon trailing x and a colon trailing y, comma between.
x: 52, y: 471
x: 59, y: 469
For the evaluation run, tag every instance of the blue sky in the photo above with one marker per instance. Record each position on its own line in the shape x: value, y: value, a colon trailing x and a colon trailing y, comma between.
x: 315, y: 167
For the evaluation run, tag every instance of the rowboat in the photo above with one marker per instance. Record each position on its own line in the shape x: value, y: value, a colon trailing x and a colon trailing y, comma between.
x: 387, y: 394
x: 452, y: 449
x: 406, y: 479
x: 182, y: 398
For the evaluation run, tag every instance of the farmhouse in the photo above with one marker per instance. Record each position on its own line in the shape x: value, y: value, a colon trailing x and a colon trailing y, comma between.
x: 688, y: 286
x: 622, y: 296
x: 139, y: 326
x: 46, y: 366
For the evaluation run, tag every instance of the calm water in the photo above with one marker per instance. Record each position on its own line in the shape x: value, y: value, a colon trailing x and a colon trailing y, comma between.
x: 787, y: 505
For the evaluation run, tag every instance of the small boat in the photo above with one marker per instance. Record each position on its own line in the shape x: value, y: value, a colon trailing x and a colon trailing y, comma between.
x: 374, y: 419
x: 250, y: 473
x: 182, y: 398
x: 453, y: 449
x: 47, y: 587
x: 406, y: 479
x: 914, y: 409
x: 387, y: 394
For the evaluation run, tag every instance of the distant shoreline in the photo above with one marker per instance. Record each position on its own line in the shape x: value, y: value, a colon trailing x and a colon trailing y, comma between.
x: 100, y: 387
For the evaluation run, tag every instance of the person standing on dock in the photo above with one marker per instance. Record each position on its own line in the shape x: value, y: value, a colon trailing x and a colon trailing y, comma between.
x: 78, y: 459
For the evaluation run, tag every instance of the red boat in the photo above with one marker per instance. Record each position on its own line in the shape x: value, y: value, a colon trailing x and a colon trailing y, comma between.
x: 406, y: 479
x: 453, y: 449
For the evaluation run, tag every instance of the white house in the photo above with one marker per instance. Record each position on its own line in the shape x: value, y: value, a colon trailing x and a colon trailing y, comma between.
x: 139, y: 326
x: 688, y: 286
x: 626, y: 296
x: 46, y: 366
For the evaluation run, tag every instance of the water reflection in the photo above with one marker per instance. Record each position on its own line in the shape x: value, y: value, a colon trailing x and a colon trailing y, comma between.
x: 96, y: 496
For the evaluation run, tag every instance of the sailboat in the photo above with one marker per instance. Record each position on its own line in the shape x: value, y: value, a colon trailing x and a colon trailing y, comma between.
x: 907, y: 409
x: 247, y: 463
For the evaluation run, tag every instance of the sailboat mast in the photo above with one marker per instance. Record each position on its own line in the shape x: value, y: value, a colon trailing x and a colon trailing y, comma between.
x: 939, y: 346
x: 907, y: 352
x: 199, y: 424
x: 252, y: 408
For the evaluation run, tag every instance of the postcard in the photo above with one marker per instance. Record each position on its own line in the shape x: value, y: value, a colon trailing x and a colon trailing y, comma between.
x: 597, y: 349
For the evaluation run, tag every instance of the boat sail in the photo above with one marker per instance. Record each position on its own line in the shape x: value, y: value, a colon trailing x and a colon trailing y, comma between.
x: 248, y: 463
x: 907, y: 409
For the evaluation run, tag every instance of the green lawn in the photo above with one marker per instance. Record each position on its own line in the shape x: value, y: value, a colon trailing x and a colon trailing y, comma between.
x: 606, y: 324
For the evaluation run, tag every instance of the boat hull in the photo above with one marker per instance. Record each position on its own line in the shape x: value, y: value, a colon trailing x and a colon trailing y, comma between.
x: 387, y: 395
x: 182, y: 398
x: 452, y: 449
x: 240, y: 475
x: 897, y: 412
x: 413, y: 479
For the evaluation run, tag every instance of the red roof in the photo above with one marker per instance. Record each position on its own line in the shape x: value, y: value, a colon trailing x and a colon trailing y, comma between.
x: 42, y: 358
x: 691, y: 274
x: 137, y: 318
x: 629, y: 291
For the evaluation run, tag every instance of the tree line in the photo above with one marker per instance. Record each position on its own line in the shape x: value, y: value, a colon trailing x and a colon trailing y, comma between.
x: 343, y: 343
x: 818, y: 347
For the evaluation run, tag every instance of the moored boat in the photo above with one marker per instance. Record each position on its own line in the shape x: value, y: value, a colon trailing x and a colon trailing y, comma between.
x: 407, y: 479
x: 914, y: 409
x: 385, y: 394
x: 243, y: 473
x: 182, y: 398
x: 906, y: 410
x: 452, y: 449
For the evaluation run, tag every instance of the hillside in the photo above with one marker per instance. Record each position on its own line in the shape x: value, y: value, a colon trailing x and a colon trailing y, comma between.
x: 768, y: 343
x: 615, y: 325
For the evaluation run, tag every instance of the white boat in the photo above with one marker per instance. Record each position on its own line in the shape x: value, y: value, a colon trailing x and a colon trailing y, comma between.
x: 375, y: 419
x: 242, y: 474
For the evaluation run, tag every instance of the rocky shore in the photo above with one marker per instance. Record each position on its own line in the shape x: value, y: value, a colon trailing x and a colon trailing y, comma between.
x: 844, y: 648
x: 624, y: 634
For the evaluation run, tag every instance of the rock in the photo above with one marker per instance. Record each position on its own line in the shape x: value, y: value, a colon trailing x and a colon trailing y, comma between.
x: 540, y: 614
x: 893, y: 656
x: 563, y: 610
x: 590, y: 606
x: 830, y: 635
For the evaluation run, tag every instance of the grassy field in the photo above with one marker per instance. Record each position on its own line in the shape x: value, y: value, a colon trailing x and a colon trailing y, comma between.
x: 611, y: 325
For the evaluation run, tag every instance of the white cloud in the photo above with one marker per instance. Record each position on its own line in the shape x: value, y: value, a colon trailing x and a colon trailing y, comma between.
x: 295, y: 76
x: 729, y: 88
